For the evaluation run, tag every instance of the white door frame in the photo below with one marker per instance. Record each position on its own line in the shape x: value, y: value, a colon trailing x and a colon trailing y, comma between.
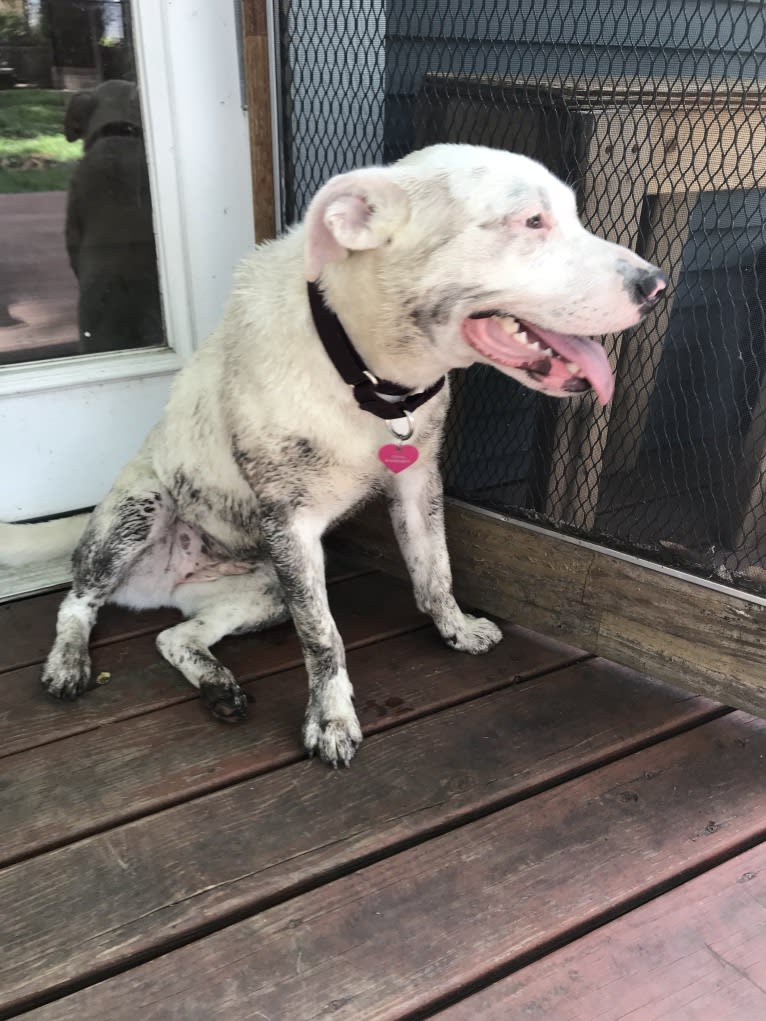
x: 67, y: 425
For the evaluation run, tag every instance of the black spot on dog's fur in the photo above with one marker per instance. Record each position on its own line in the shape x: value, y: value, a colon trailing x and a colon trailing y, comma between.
x: 285, y: 470
x: 98, y: 559
x: 438, y: 311
x: 197, y: 504
x: 184, y: 490
x: 303, y: 449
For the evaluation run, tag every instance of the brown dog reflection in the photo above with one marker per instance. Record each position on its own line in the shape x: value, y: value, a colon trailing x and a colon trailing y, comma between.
x: 109, y: 229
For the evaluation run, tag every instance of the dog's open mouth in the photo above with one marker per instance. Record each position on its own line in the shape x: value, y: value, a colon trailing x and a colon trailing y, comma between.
x: 559, y: 362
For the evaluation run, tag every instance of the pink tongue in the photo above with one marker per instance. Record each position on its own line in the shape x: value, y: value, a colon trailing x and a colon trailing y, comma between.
x: 491, y: 340
x: 588, y: 354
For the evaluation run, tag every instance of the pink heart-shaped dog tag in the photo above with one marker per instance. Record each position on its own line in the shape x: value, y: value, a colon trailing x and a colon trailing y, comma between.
x: 397, y: 458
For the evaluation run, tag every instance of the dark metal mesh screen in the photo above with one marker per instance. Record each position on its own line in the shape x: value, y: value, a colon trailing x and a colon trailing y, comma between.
x: 656, y: 113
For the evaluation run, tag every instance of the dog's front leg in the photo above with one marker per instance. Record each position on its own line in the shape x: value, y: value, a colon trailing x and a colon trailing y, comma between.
x: 331, y: 728
x: 417, y: 512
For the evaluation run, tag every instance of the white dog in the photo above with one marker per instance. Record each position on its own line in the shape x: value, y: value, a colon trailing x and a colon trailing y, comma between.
x: 282, y: 422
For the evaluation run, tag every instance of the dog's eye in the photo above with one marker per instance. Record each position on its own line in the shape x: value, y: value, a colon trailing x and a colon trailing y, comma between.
x: 535, y: 222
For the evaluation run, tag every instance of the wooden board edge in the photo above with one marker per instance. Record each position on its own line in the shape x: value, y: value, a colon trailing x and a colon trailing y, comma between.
x: 256, y: 54
x: 241, y: 891
x: 702, y: 639
x: 683, y: 925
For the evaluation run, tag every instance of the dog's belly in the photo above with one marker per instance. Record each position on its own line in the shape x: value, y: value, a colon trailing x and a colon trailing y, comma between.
x: 194, y: 556
x: 182, y: 555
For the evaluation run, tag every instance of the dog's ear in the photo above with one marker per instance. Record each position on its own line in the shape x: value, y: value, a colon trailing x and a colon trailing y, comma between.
x: 78, y: 112
x: 352, y: 212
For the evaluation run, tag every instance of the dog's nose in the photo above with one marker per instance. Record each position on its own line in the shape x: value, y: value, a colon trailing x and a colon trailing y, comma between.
x: 649, y: 286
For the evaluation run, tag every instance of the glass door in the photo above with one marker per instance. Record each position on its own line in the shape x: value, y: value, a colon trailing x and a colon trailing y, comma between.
x: 125, y: 204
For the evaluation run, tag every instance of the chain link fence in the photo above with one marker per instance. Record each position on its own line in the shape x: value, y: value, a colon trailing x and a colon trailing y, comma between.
x: 656, y: 114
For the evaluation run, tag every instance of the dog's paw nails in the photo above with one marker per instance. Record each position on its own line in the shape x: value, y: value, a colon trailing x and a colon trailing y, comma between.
x: 65, y: 689
x: 66, y: 677
x: 226, y: 702
x: 334, y: 741
x: 476, y: 635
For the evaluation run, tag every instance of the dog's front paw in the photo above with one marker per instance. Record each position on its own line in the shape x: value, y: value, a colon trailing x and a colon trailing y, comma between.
x: 66, y: 673
x: 474, y: 635
x: 334, y: 740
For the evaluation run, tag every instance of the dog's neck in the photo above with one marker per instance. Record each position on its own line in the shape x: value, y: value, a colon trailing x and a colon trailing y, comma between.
x: 379, y: 397
x: 385, y: 340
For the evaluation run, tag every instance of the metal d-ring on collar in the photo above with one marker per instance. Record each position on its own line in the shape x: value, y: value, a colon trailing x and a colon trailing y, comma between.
x: 401, y: 437
x: 369, y: 391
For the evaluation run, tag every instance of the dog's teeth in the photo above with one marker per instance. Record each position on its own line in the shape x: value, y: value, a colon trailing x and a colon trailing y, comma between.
x: 536, y: 345
x: 548, y: 351
x: 522, y: 337
x: 573, y: 368
x: 509, y: 325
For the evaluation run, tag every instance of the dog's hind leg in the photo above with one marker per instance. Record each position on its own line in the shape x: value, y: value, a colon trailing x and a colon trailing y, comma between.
x: 123, y: 527
x: 227, y: 605
x: 417, y: 514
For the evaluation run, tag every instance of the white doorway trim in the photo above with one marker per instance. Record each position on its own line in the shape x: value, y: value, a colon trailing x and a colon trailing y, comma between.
x: 68, y: 425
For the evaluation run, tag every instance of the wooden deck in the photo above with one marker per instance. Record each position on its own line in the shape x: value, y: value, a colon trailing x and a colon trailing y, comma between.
x: 533, y: 834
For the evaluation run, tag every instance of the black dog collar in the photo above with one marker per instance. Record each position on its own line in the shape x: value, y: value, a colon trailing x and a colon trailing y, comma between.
x: 367, y: 387
x: 121, y: 128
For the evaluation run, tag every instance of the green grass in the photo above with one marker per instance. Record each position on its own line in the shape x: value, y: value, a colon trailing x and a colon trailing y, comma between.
x: 25, y: 113
x: 34, y: 154
x: 51, y: 147
x: 52, y: 178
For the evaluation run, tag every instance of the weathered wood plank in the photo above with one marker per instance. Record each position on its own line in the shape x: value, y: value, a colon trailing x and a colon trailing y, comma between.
x: 494, y: 563
x: 398, y: 936
x: 70, y: 788
x: 695, y: 954
x: 28, y: 625
x: 716, y: 642
x: 366, y: 608
x: 711, y: 642
x: 255, y: 45
x: 245, y: 847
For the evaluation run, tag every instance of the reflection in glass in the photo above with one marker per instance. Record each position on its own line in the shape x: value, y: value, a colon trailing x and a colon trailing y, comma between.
x: 78, y: 263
